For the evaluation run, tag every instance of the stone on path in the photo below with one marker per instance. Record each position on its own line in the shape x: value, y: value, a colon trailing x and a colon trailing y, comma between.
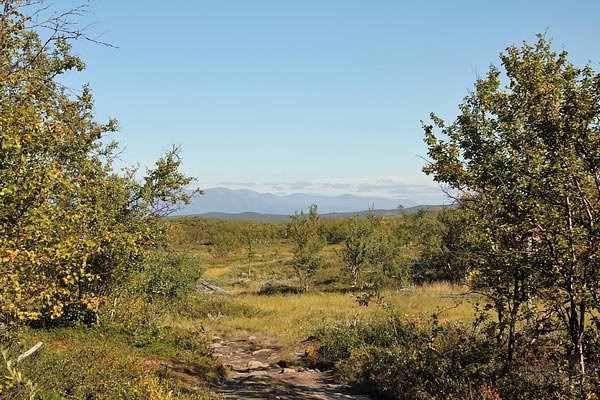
x: 261, y: 351
x: 288, y: 371
x: 257, y: 372
x: 256, y: 365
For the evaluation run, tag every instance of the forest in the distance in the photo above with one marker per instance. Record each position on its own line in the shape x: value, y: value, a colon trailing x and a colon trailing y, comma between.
x: 101, y: 294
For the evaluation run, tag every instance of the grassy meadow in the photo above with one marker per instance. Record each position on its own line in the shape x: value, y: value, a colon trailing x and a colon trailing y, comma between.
x: 291, y: 317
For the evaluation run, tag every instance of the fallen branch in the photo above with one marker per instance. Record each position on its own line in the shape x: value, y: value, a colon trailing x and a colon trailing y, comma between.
x: 29, y: 352
x: 210, y: 288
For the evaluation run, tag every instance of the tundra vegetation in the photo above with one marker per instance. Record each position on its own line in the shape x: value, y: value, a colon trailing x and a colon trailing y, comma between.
x: 494, y: 297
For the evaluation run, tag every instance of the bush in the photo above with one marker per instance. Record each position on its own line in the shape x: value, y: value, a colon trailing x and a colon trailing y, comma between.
x: 137, y: 306
x: 271, y: 288
x: 402, y: 357
x: 131, y: 354
x: 408, y: 358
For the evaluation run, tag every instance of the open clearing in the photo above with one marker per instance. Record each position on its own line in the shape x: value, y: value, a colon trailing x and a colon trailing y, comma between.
x: 263, y: 339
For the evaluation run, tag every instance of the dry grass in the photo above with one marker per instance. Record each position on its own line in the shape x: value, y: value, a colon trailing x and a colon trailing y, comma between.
x: 450, y: 302
x: 291, y: 318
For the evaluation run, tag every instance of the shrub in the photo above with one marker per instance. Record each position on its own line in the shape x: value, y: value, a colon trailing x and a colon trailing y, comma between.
x: 271, y: 288
x: 137, y: 306
x: 403, y: 357
x: 399, y: 357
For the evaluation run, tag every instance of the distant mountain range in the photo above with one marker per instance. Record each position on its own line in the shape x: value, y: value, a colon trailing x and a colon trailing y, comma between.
x: 277, y: 218
x: 222, y: 200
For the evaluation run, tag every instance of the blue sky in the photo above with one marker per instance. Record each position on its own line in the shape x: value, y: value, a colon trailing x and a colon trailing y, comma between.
x: 305, y: 96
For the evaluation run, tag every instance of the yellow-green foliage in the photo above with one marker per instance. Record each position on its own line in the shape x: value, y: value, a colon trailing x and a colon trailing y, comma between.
x: 69, y: 225
x: 134, y: 353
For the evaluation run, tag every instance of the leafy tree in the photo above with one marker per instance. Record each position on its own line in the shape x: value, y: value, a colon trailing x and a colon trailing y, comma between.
x: 355, y: 253
x: 372, y: 255
x: 69, y: 224
x: 304, y: 230
x: 524, y: 155
x: 334, y: 230
x: 441, y: 238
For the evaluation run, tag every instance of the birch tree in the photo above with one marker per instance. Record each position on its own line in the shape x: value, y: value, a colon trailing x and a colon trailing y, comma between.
x: 524, y: 157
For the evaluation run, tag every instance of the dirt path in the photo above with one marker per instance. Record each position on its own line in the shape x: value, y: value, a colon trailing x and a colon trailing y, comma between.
x: 266, y: 371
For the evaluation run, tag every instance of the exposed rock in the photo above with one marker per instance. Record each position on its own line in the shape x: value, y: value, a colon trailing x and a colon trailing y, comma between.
x: 261, y: 351
x: 256, y: 365
x: 288, y: 371
x: 256, y: 371
x: 259, y: 373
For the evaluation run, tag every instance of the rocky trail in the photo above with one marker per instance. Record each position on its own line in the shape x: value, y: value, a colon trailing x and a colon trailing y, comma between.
x: 267, y: 371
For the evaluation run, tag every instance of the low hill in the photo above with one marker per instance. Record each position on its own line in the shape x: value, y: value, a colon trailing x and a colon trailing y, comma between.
x: 277, y: 218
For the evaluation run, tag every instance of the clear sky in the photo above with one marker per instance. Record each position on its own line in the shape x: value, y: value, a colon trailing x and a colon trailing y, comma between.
x: 306, y: 96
